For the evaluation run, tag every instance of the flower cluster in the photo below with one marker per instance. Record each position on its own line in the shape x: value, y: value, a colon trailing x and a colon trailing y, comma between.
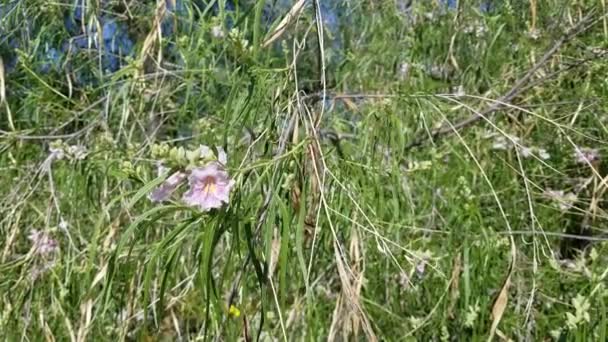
x: 58, y: 150
x: 507, y: 142
x: 209, y: 183
x: 563, y: 200
x: 586, y: 155
x: 42, y: 243
x: 45, y: 249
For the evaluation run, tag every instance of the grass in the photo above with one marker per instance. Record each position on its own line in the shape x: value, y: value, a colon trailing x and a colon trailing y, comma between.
x: 337, y: 227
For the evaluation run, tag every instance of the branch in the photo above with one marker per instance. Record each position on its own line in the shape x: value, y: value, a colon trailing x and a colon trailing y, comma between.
x: 519, y: 86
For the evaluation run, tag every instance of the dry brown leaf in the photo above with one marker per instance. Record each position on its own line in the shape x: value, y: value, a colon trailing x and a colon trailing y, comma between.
x: 533, y: 15
x: 503, y: 336
x: 2, y: 84
x: 154, y: 35
x: 500, y: 304
x: 86, y: 310
x: 454, y: 288
x: 100, y: 275
x: 350, y: 104
x: 275, y: 249
x: 289, y: 17
x: 349, y: 314
x: 3, y: 96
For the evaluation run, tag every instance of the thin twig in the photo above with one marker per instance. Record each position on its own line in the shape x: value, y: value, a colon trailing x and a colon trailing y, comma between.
x: 518, y: 87
x: 554, y: 234
x: 295, y: 11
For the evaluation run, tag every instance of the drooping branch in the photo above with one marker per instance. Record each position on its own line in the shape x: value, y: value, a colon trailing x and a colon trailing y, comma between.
x: 519, y: 87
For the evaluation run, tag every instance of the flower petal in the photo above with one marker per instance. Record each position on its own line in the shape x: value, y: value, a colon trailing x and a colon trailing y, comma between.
x: 209, y: 187
x: 205, y: 201
x: 201, y: 173
x: 586, y: 155
x: 164, y: 191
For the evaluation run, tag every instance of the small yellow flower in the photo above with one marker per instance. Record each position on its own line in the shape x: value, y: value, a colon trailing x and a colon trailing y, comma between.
x: 234, y: 311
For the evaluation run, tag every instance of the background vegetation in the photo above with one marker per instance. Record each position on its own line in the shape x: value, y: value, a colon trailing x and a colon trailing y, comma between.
x: 404, y: 170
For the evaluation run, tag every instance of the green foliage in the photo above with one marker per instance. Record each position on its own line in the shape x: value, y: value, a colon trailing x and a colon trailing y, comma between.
x: 332, y: 230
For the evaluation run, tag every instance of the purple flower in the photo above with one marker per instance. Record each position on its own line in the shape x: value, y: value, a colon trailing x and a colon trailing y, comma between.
x: 164, y: 191
x: 42, y: 243
x: 586, y: 155
x: 209, y: 187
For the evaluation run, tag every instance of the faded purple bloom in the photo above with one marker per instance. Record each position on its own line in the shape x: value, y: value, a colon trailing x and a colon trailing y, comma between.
x: 586, y: 155
x: 164, y: 191
x: 209, y: 187
x: 42, y: 243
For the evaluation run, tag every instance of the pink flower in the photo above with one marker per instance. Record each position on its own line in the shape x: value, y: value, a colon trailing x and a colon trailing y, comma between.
x: 164, y: 191
x: 42, y: 243
x: 209, y: 187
